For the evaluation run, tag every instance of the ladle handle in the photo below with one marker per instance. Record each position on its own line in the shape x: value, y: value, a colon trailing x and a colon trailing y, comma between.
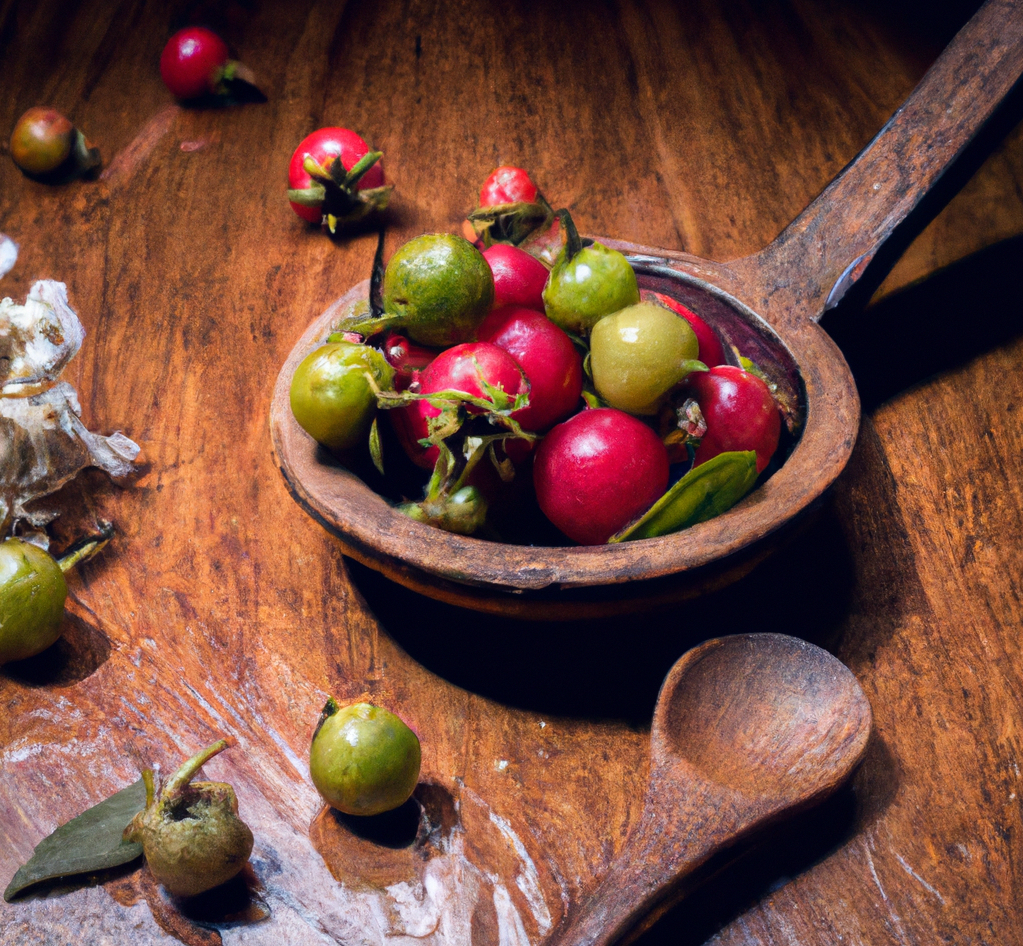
x: 669, y: 844
x: 824, y: 251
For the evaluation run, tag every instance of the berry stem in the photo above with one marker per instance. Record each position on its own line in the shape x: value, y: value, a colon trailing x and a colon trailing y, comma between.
x: 187, y: 772
x: 84, y: 550
x: 376, y: 278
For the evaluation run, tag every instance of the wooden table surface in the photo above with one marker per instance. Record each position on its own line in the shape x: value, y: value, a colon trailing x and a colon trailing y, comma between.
x: 222, y: 609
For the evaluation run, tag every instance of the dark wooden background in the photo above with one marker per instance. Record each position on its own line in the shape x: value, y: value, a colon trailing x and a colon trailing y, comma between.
x: 222, y: 609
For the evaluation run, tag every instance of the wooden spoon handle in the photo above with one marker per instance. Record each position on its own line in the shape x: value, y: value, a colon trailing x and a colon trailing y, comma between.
x: 674, y: 838
x: 824, y: 251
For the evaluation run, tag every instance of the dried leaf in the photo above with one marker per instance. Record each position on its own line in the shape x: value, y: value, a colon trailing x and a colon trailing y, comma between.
x: 91, y: 842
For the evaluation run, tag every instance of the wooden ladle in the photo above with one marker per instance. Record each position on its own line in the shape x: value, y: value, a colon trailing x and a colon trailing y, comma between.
x: 767, y: 306
x: 747, y: 729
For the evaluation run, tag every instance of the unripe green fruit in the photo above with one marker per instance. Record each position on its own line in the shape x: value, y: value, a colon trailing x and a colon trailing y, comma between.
x: 32, y: 596
x: 364, y: 760
x: 438, y: 288
x: 639, y: 354
x: 595, y: 282
x: 190, y: 833
x: 331, y: 395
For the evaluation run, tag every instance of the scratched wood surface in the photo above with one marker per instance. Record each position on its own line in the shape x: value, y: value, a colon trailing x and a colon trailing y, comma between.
x: 222, y: 609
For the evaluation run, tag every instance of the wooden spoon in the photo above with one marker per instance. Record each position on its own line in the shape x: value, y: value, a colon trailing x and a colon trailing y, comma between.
x: 747, y: 729
x: 766, y: 305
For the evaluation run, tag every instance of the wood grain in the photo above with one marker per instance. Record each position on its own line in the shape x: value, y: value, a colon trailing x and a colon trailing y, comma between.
x: 221, y: 608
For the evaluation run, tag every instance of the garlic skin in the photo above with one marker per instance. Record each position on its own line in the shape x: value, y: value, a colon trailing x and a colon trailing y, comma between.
x: 43, y: 442
x: 191, y: 834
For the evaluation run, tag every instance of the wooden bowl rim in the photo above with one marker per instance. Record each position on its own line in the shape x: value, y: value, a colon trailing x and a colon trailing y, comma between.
x: 377, y: 534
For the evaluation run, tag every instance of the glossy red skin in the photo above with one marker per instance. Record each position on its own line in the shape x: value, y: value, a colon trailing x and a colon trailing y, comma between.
x: 406, y: 358
x: 518, y: 277
x: 507, y: 185
x: 597, y: 472
x: 454, y: 369
x: 711, y: 350
x: 740, y: 412
x: 324, y: 145
x: 190, y: 61
x: 548, y: 358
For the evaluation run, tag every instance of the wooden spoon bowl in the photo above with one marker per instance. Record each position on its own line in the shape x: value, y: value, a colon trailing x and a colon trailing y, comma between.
x: 747, y: 730
x: 768, y: 306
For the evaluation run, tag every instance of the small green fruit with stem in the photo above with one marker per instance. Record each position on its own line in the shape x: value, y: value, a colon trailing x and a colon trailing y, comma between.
x: 190, y: 833
x: 587, y: 282
x: 32, y: 594
x: 638, y: 355
x: 333, y: 392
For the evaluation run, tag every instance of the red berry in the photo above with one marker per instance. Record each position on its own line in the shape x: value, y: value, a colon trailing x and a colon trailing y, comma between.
x: 711, y: 351
x: 459, y: 368
x: 597, y: 472
x: 519, y: 278
x: 546, y: 355
x: 192, y: 62
x: 324, y: 146
x: 740, y: 412
x: 406, y: 358
x: 507, y: 185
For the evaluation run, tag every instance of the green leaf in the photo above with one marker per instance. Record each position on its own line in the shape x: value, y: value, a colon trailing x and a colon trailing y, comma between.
x: 704, y: 492
x: 376, y: 448
x: 88, y: 843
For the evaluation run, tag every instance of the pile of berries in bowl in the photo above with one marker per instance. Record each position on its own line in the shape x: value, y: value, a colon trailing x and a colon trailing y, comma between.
x: 518, y: 386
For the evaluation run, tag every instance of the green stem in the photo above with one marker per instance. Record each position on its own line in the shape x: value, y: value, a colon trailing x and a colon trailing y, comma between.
x: 186, y: 773
x: 361, y: 167
x: 86, y: 549
x: 150, y: 783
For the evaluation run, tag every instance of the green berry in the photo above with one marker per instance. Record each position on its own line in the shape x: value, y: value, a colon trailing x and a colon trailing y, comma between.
x: 438, y: 288
x: 364, y: 760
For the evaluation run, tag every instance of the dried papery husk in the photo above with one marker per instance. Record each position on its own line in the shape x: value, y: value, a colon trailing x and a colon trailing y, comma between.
x: 8, y: 254
x: 43, y: 446
x: 43, y: 442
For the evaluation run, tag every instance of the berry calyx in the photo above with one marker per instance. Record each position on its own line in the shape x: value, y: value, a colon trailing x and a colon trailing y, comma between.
x: 334, y: 176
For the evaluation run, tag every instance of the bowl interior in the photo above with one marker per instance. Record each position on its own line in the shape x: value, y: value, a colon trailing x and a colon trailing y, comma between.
x: 553, y: 579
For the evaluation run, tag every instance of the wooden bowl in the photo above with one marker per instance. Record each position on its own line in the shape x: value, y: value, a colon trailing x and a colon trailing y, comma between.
x: 768, y: 306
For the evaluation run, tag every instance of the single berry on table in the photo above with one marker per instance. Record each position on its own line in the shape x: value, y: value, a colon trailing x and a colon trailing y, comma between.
x: 364, y: 759
x: 193, y: 62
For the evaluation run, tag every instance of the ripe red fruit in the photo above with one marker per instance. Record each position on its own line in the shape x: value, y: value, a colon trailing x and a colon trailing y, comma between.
x: 406, y: 358
x: 507, y: 185
x: 326, y: 146
x: 460, y: 368
x: 518, y: 277
x: 740, y: 412
x: 711, y: 351
x: 192, y: 63
x: 548, y: 358
x: 597, y: 472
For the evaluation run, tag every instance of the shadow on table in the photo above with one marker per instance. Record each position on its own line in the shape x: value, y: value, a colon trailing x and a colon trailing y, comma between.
x: 957, y: 314
x: 612, y: 668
